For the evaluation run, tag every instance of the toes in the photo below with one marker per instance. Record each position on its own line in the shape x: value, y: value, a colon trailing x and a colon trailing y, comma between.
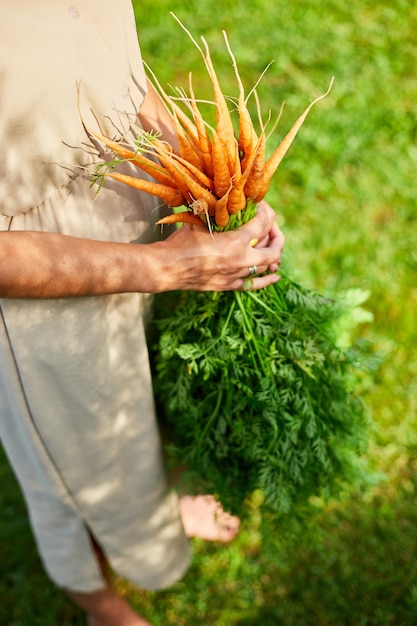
x: 203, y: 517
x: 227, y: 534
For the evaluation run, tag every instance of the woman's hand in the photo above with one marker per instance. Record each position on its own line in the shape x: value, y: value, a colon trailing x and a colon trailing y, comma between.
x: 194, y: 259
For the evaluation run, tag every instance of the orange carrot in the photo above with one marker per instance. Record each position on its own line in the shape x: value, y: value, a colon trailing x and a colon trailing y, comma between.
x: 237, y: 200
x: 185, y: 217
x: 221, y: 173
x: 237, y: 197
x: 166, y: 155
x: 221, y: 213
x: 204, y: 142
x: 224, y: 126
x: 147, y: 165
x: 199, y: 176
x: 247, y: 134
x: 275, y: 159
x: 187, y: 150
x: 254, y: 184
x: 172, y: 197
x: 188, y: 186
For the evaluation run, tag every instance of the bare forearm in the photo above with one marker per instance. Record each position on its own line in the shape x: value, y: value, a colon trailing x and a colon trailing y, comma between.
x: 49, y: 265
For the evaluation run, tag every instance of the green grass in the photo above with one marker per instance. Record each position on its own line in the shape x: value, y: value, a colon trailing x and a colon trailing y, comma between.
x: 346, y: 199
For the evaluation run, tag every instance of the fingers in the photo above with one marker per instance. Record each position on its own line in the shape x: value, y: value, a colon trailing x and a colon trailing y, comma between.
x: 254, y: 283
x: 266, y: 256
x: 276, y: 242
x: 263, y: 242
x: 258, y: 228
x: 262, y: 231
x: 252, y: 270
x: 256, y: 277
x: 243, y: 259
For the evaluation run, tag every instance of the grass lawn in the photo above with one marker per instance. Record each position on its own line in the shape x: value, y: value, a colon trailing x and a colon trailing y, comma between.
x: 346, y: 199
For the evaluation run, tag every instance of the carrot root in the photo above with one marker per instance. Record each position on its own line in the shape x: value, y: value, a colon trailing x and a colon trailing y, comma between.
x: 184, y: 217
x: 172, y: 197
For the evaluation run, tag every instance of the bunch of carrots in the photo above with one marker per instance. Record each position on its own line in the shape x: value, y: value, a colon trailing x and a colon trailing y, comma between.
x: 214, y: 174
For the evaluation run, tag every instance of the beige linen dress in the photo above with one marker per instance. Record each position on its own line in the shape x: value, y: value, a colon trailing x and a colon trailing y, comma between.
x: 76, y: 408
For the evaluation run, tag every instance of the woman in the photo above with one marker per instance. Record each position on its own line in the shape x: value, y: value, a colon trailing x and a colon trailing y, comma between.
x: 77, y: 415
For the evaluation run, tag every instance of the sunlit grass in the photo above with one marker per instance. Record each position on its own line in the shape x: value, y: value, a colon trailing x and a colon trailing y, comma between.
x: 346, y: 199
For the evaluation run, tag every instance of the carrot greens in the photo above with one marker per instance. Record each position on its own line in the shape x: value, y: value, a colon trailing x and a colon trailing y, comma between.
x: 258, y: 395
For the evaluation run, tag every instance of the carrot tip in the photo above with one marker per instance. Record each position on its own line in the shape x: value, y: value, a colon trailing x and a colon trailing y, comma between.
x: 184, y: 217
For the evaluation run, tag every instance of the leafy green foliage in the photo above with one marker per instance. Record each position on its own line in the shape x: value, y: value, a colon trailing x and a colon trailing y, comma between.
x: 258, y: 394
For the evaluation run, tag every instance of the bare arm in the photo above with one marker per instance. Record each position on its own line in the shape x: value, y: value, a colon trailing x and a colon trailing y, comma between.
x: 49, y: 265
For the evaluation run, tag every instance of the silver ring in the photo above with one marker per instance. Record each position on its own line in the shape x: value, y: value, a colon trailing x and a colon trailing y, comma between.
x: 253, y: 270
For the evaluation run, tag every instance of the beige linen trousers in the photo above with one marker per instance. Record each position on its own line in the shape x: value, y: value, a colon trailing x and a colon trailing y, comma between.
x: 76, y: 407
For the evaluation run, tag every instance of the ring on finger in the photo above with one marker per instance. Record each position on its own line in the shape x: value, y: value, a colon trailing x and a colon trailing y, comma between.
x: 252, y: 270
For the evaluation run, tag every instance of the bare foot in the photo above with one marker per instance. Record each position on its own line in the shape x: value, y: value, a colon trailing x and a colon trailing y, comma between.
x: 91, y: 621
x: 203, y: 517
x: 107, y: 608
